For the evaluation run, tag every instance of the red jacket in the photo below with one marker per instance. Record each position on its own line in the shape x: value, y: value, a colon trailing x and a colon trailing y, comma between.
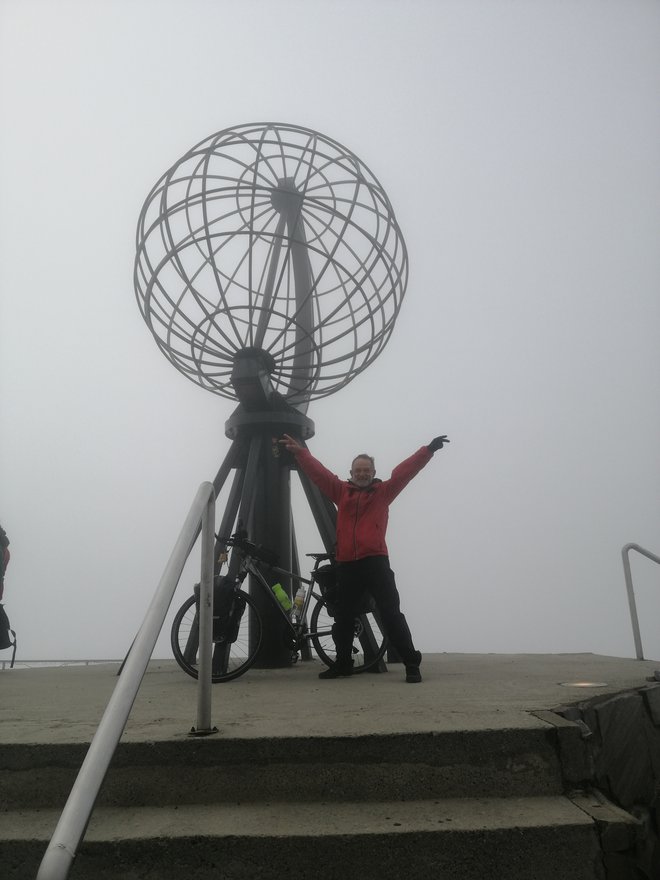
x: 362, y: 514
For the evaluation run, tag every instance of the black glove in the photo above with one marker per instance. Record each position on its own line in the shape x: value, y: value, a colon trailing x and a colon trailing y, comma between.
x: 437, y: 443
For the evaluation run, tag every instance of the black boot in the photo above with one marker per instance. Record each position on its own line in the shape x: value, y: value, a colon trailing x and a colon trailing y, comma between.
x: 413, y: 675
x: 338, y: 670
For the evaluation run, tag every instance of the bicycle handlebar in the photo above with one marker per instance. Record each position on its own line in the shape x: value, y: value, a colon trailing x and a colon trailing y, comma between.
x: 249, y: 548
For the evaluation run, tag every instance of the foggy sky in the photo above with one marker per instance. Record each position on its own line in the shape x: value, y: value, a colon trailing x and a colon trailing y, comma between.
x: 518, y: 143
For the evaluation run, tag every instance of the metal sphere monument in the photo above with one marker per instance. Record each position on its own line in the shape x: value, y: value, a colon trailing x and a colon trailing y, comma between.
x: 270, y: 237
x: 270, y: 269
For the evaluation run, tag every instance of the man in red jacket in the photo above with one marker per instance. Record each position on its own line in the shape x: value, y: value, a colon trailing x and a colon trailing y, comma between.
x: 362, y: 513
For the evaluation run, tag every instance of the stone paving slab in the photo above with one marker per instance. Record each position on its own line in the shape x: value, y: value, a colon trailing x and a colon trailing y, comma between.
x: 459, y: 692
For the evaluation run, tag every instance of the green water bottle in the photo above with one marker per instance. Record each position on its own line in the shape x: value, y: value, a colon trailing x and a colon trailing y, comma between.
x: 281, y: 596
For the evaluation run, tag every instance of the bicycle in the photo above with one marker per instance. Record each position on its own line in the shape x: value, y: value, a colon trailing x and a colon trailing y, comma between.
x: 237, y: 624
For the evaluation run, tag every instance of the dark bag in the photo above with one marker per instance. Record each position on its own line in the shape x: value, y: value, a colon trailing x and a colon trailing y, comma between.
x: 326, y: 577
x: 6, y: 632
x: 228, y: 608
x: 4, y: 555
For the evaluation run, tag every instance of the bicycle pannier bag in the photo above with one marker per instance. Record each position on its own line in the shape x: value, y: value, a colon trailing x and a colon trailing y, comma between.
x: 228, y: 608
x: 326, y: 577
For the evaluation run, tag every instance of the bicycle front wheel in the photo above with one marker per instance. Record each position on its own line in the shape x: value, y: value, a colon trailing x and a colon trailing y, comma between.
x: 369, y: 641
x: 230, y: 658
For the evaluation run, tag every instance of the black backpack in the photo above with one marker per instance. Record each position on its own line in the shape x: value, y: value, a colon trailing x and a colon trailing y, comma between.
x: 4, y: 543
x: 7, y: 634
x: 6, y: 640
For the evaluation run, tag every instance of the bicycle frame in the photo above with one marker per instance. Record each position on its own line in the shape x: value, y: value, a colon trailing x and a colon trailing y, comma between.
x: 250, y: 565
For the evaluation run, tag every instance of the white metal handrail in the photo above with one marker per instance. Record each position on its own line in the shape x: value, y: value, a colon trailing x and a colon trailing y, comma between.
x: 75, y: 817
x: 625, y: 553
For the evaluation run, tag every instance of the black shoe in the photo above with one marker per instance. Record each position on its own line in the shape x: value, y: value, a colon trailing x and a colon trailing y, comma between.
x: 413, y: 675
x: 337, y: 670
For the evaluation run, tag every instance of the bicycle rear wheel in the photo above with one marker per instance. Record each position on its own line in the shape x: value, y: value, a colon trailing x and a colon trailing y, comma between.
x: 230, y: 658
x: 369, y: 641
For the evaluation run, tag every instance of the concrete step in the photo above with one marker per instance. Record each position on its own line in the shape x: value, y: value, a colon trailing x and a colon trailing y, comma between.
x: 472, y: 763
x: 462, y: 778
x: 533, y: 838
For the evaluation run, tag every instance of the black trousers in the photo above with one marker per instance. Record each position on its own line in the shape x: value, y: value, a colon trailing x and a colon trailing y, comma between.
x: 356, y: 581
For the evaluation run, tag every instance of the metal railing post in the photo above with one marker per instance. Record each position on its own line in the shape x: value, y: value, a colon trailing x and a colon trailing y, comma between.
x: 206, y: 622
x: 77, y: 811
x: 625, y: 553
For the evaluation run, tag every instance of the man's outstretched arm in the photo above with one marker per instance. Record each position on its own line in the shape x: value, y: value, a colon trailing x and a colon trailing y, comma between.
x: 403, y: 473
x: 328, y: 483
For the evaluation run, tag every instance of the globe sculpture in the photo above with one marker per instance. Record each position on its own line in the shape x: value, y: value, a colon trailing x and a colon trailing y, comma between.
x: 270, y: 237
x: 270, y: 269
